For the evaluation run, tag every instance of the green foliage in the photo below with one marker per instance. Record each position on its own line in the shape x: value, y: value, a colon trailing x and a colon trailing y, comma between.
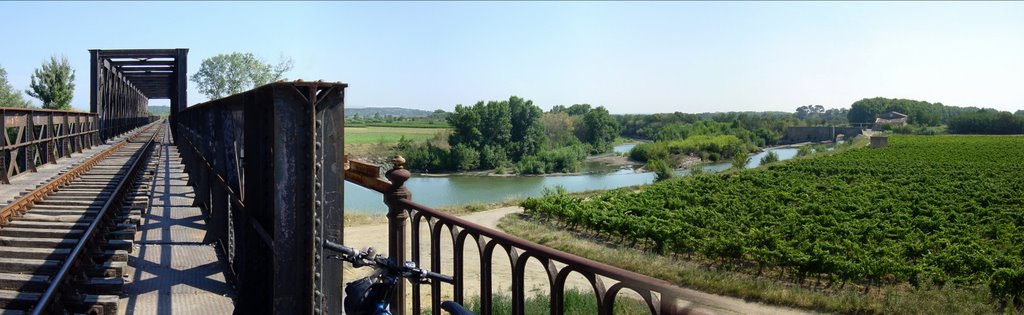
x: 559, y: 129
x: 697, y: 170
x: 927, y: 210
x: 515, y: 132
x: 918, y: 112
x: 8, y: 96
x: 531, y: 165
x: 54, y: 84
x: 565, y: 159
x: 513, y: 126
x: 726, y: 145
x: 599, y: 129
x: 757, y: 129
x: 426, y: 157
x: 527, y: 133
x: 805, y: 150
x: 740, y: 159
x: 228, y: 74
x: 770, y: 157
x: 463, y: 158
x: 661, y: 169
x: 492, y: 157
x: 987, y: 122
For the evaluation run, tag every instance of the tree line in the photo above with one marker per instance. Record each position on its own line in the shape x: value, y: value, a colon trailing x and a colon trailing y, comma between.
x: 959, y: 120
x: 516, y: 135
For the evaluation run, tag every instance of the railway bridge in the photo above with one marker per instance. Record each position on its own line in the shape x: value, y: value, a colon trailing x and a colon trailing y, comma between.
x: 226, y: 206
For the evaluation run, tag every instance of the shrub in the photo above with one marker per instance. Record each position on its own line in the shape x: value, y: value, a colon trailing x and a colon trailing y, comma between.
x: 531, y: 165
x: 661, y: 169
x: 771, y: 157
x: 741, y: 159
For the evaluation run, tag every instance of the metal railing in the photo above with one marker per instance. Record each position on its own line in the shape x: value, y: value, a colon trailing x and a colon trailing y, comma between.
x: 404, y: 215
x: 33, y: 137
x: 266, y: 168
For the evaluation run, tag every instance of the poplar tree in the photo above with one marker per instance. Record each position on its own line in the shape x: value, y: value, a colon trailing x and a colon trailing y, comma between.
x: 54, y: 84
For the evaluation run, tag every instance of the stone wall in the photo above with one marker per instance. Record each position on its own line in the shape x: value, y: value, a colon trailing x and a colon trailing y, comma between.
x: 817, y: 134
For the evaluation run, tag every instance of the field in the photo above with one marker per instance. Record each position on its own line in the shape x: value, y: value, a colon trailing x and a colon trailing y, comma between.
x: 929, y: 211
x: 387, y: 135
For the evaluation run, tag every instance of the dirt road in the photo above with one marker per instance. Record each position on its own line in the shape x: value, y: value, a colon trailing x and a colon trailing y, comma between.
x: 536, y: 279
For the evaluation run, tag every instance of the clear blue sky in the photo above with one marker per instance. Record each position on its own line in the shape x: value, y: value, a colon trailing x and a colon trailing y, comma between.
x: 631, y: 57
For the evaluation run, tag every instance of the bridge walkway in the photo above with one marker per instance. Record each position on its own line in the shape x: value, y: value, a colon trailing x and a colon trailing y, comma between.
x: 173, y: 269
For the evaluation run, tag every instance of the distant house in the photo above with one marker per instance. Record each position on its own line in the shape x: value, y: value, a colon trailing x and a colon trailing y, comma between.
x: 890, y: 118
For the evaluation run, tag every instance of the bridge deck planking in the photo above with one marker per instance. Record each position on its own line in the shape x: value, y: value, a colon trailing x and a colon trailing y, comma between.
x: 173, y: 269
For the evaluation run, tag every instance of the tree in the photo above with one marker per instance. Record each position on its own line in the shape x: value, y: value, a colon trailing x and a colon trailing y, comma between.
x: 527, y: 130
x: 54, y: 84
x: 8, y: 96
x: 234, y: 73
x: 464, y: 122
x: 599, y: 128
x: 558, y: 127
x: 809, y: 111
x: 741, y: 159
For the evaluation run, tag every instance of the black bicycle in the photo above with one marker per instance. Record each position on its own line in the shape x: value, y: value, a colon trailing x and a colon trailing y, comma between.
x: 370, y: 295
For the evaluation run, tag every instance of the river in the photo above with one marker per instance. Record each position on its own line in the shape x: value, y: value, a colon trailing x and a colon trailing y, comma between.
x: 463, y: 189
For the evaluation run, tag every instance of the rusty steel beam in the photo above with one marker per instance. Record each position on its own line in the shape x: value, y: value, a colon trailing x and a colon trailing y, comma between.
x: 264, y: 164
x: 62, y: 132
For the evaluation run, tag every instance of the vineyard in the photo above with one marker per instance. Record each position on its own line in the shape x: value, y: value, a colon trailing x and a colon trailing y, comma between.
x: 927, y: 210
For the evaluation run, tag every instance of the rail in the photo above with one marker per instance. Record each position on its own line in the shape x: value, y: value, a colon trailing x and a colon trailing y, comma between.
x: 112, y: 202
x: 33, y: 137
x: 266, y: 167
x: 404, y: 215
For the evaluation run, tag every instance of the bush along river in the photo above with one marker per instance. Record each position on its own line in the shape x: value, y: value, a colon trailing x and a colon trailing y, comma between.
x: 465, y: 189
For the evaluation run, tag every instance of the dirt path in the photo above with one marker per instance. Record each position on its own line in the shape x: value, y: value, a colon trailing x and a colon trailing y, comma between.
x: 536, y: 280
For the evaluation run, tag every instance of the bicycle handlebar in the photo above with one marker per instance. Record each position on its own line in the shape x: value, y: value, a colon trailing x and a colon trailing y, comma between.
x: 370, y: 257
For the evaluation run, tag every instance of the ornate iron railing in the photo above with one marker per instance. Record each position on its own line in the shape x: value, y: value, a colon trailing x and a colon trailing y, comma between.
x: 405, y: 215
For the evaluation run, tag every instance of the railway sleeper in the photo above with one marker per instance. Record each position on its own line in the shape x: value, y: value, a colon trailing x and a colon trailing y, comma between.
x: 93, y: 304
x: 15, y: 300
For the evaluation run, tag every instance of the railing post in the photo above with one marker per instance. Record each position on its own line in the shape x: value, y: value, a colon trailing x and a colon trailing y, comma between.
x: 397, y: 217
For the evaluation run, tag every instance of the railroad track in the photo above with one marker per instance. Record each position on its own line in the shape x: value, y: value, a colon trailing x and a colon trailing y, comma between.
x: 64, y: 245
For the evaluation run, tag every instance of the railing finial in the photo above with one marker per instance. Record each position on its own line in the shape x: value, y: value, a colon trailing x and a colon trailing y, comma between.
x: 399, y: 162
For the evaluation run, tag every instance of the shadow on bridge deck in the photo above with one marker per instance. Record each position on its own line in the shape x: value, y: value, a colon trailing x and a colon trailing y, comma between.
x: 174, y: 270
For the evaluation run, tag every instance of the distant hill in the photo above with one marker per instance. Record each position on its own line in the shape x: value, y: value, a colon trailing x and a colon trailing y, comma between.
x: 393, y: 111
x: 159, y: 110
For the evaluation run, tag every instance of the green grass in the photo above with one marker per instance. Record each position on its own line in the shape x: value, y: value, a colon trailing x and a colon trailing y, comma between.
x: 388, y: 135
x: 400, y: 124
x: 575, y: 301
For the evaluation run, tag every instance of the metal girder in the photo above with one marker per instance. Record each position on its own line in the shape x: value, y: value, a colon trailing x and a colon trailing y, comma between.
x: 125, y: 63
x: 138, y: 53
x: 124, y: 80
x: 127, y: 70
x: 269, y: 160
